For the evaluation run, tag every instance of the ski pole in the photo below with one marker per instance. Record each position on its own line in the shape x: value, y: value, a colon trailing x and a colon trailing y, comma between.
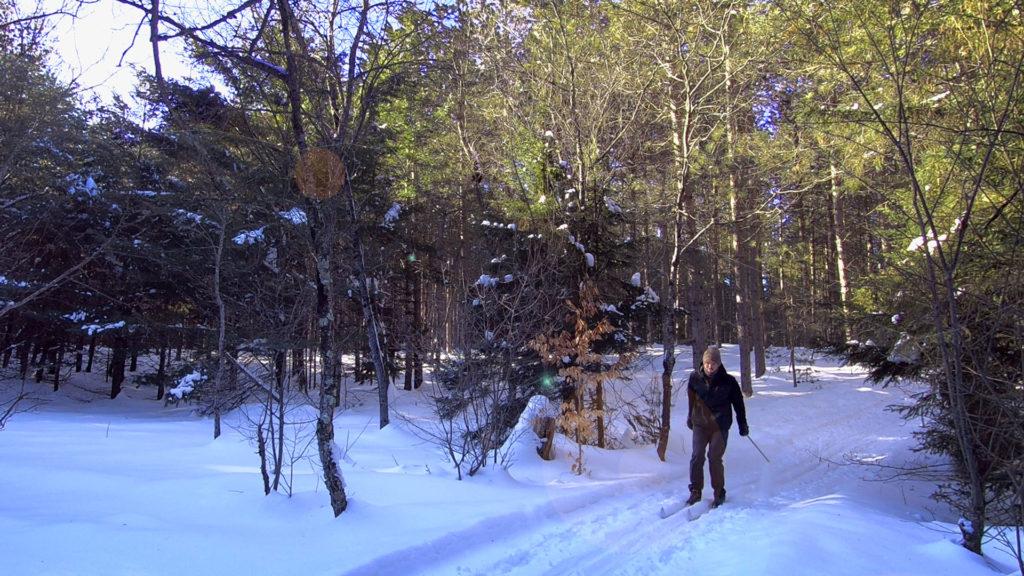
x: 758, y: 449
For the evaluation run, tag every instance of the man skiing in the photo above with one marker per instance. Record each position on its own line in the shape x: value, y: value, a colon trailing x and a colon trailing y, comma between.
x: 713, y: 394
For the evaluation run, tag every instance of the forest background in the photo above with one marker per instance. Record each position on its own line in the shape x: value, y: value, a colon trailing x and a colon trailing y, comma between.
x: 503, y: 193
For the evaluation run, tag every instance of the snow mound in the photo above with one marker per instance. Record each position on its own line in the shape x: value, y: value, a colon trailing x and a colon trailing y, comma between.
x: 523, y: 442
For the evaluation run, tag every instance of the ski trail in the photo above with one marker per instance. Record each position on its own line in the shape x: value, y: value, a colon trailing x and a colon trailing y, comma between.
x: 620, y: 538
x: 579, y: 542
x: 626, y: 534
x: 618, y: 529
x: 558, y: 520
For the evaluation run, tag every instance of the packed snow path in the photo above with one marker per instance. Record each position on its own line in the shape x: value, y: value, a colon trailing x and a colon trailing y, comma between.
x: 804, y: 512
x: 93, y: 486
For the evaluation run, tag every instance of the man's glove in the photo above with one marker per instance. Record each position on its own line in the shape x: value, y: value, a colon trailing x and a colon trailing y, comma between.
x: 744, y: 430
x: 689, y: 424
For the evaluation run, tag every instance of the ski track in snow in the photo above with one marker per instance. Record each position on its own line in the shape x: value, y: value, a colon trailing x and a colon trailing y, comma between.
x: 619, y: 530
x: 809, y: 511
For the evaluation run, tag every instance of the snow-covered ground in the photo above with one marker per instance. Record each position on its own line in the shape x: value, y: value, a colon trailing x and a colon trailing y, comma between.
x: 94, y: 486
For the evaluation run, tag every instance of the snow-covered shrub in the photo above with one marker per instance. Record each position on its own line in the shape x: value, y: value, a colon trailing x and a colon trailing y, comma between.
x: 196, y: 385
x: 479, y: 399
x: 886, y: 363
x: 185, y: 388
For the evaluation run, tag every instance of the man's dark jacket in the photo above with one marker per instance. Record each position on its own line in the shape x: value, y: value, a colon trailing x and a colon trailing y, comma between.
x: 716, y: 398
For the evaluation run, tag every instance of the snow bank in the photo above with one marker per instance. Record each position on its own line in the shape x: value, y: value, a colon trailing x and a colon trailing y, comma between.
x: 522, y: 443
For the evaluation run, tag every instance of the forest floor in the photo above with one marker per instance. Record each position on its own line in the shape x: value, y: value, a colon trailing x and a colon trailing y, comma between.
x: 130, y: 486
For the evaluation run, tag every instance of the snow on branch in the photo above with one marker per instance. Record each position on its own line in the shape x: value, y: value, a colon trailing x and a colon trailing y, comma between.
x: 612, y: 205
x: 190, y: 216
x: 296, y: 216
x: 92, y: 329
x: 392, y: 216
x: 649, y: 296
x: 186, y: 385
x: 84, y: 186
x: 78, y: 316
x: 249, y: 237
x: 486, y: 280
x: 16, y: 283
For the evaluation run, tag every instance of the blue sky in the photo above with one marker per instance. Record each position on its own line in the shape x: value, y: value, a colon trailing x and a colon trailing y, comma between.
x: 88, y: 48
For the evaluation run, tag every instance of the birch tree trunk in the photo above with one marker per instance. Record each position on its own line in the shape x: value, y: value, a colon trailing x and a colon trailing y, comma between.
x: 321, y: 229
x: 838, y: 230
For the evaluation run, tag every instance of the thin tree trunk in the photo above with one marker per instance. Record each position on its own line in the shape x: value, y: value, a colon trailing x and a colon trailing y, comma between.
x: 133, y: 365
x: 359, y: 364
x: 322, y: 231
x: 299, y: 368
x: 161, y: 371
x: 680, y: 113
x: 806, y: 267
x: 408, y: 301
x: 92, y: 353
x: 280, y: 359
x: 45, y: 358
x: 837, y: 229
x: 717, y: 286
x: 787, y: 308
x: 741, y: 283
x: 375, y: 334
x: 757, y: 307
x: 668, y: 363
x: 23, y: 359
x: 51, y: 356
x: 701, y: 302
x: 221, y: 327
x: 261, y: 449
x: 78, y: 353
x: 8, y: 344
x: 118, y: 359
x: 154, y: 39
x: 58, y: 359
x: 737, y: 193
x: 417, y: 327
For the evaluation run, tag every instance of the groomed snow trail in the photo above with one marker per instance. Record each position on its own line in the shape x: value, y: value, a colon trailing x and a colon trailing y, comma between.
x: 811, y: 433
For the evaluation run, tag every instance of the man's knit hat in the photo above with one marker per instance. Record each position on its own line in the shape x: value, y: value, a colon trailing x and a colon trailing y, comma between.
x: 713, y: 353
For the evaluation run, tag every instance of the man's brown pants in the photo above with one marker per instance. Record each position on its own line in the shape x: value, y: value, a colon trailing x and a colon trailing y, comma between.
x: 712, y: 440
